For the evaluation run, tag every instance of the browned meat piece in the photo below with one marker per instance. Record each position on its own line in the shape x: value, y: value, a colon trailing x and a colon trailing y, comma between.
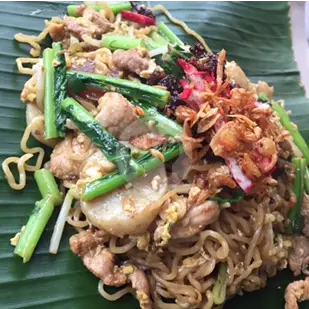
x: 305, y: 212
x: 61, y: 163
x: 295, y: 292
x: 148, y: 141
x: 195, y: 220
x: 118, y: 116
x: 92, y: 23
x: 89, y: 245
x: 102, y: 264
x: 141, y: 285
x: 298, y: 257
x: 101, y: 23
x: 130, y: 61
x: 85, y: 241
x: 56, y: 31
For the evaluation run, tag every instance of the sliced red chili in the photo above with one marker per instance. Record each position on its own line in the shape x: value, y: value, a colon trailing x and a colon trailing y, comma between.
x: 138, y: 18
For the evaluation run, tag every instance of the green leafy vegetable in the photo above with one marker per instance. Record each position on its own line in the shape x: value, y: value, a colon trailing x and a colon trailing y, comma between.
x: 113, y: 150
x: 286, y: 122
x: 295, y: 214
x: 169, y: 61
x: 237, y: 197
x: 60, y: 86
x: 133, y: 91
x: 55, y: 90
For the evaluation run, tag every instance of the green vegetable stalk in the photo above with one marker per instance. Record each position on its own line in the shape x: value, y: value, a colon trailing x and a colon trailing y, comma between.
x: 113, y: 150
x: 115, y: 7
x: 169, y: 61
x: 138, y: 92
x: 297, y: 138
x: 49, y: 103
x: 114, y: 42
x: 219, y: 289
x: 295, y: 214
x: 115, y: 180
x: 161, y: 123
x: 55, y: 90
x: 156, y: 37
x: 307, y: 180
x: 169, y: 34
x: 48, y: 186
x: 30, y: 236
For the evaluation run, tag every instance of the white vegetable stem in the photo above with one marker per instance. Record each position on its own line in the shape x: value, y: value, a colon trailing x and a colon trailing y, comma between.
x: 158, y: 51
x: 40, y: 76
x: 59, y: 226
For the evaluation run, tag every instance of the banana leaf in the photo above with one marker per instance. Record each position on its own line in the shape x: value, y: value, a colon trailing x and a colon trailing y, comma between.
x: 257, y: 35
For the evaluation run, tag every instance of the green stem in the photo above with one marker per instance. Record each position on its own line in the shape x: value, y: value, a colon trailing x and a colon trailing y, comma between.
x: 306, y: 180
x: 113, y: 150
x: 162, y: 124
x: 30, y: 236
x: 219, y: 289
x: 115, y: 180
x: 169, y: 34
x: 286, y: 122
x: 116, y: 8
x: 158, y: 38
x: 150, y: 44
x: 133, y: 91
x: 48, y: 186
x: 114, y: 42
x: 295, y: 214
x: 49, y: 103
x: 60, y: 86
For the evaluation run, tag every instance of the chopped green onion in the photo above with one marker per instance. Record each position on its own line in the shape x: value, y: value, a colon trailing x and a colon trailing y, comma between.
x: 30, y: 236
x: 47, y: 185
x: 297, y: 138
x: 219, y: 289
